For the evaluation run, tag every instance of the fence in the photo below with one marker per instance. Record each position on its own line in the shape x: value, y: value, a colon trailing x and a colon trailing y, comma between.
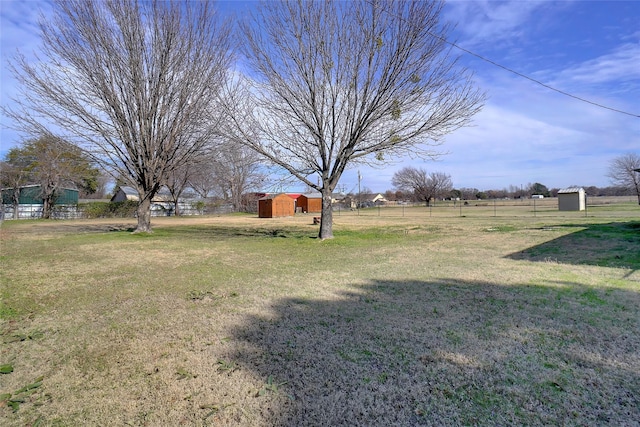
x: 34, y: 211
x: 92, y: 210
x: 488, y: 208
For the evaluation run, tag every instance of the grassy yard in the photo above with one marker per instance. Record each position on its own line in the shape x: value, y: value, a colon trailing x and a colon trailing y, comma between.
x: 406, y: 318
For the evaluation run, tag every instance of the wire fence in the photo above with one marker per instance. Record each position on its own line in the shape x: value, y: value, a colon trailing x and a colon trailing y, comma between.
x: 625, y: 205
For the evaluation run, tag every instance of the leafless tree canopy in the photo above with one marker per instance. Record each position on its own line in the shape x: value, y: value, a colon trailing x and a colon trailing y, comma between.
x: 624, y: 171
x: 135, y: 83
x: 237, y: 170
x: 344, y: 82
x: 425, y: 186
x: 228, y: 171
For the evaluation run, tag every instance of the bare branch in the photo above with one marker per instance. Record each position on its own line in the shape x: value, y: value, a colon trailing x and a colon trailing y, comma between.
x: 133, y: 83
x: 339, y: 83
x: 624, y: 171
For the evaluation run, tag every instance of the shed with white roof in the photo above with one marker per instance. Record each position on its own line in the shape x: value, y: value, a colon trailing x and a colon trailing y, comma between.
x: 572, y: 199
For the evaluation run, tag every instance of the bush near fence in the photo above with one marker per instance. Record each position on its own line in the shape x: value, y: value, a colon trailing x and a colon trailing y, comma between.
x: 126, y: 209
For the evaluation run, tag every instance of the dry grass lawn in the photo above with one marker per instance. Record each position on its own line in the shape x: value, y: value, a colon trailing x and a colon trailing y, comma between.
x: 421, y: 319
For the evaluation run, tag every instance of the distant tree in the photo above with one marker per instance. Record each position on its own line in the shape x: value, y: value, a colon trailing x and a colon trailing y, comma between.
x: 425, y: 186
x: 103, y: 182
x: 135, y: 83
x: 390, y: 195
x: 53, y: 164
x: 235, y: 171
x: 395, y: 195
x: 517, y: 192
x: 178, y: 181
x: 202, y: 178
x: 14, y: 173
x: 538, y: 188
x: 623, y: 171
x: 468, y: 193
x: 590, y: 191
x: 341, y: 82
x: 497, y: 194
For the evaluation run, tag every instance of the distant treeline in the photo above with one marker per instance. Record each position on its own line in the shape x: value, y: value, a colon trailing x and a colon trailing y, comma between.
x: 514, y: 192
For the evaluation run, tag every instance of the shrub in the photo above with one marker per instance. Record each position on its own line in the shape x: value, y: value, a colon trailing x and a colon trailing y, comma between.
x: 109, y: 209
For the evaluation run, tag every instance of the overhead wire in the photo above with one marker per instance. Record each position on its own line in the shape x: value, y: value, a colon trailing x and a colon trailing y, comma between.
x: 519, y: 74
x: 532, y: 79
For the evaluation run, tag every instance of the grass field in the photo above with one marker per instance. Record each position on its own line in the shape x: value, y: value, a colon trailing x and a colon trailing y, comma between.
x: 407, y: 317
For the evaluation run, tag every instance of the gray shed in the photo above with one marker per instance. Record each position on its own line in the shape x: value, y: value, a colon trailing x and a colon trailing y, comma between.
x: 571, y: 199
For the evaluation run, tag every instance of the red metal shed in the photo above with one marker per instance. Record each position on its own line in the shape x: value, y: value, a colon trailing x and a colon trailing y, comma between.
x: 310, y: 202
x: 275, y: 205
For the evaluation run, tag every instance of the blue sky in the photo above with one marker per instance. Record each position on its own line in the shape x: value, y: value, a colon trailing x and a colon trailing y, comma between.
x: 526, y: 133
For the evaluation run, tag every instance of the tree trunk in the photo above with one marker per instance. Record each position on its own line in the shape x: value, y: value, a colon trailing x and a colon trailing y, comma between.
x: 46, y: 208
x: 15, y: 199
x: 326, y: 219
x: 144, y: 216
x: 48, y: 198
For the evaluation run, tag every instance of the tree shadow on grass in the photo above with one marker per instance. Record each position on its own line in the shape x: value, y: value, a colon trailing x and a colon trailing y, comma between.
x: 615, y: 244
x: 230, y: 232
x: 447, y: 353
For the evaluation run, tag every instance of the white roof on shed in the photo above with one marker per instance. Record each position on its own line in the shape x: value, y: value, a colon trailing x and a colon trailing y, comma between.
x: 570, y: 190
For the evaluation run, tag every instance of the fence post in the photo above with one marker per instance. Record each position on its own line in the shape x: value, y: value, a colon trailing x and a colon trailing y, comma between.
x: 585, y: 204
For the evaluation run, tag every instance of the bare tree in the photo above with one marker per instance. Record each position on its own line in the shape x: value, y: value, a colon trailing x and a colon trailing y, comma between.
x: 134, y: 83
x: 229, y: 171
x: 467, y: 193
x: 236, y: 170
x: 14, y: 174
x: 425, y: 186
x: 201, y: 177
x: 624, y: 171
x: 178, y: 181
x: 343, y: 82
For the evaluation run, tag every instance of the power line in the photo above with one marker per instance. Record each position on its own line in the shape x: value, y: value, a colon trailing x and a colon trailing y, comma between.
x: 531, y: 78
x: 520, y: 74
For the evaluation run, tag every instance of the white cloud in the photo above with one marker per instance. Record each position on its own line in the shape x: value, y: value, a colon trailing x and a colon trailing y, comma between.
x: 525, y: 134
x: 622, y: 64
x: 483, y: 22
